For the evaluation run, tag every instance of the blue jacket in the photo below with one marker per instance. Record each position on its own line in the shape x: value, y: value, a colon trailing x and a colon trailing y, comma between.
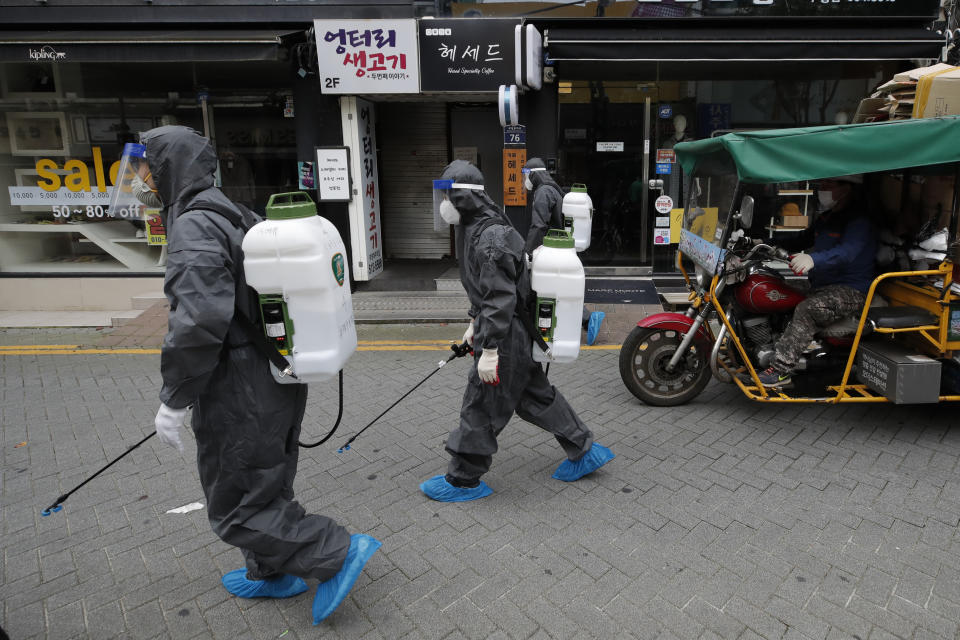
x: 844, y: 250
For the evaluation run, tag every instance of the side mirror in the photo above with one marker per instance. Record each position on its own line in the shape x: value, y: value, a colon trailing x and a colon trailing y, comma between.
x: 746, y: 212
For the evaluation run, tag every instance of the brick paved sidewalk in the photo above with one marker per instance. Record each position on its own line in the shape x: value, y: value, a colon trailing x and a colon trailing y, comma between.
x: 719, y: 519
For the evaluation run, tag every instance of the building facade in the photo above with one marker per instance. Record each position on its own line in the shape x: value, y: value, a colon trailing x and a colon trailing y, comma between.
x: 618, y: 84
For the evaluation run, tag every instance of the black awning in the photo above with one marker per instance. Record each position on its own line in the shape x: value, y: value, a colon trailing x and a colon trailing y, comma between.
x: 742, y: 44
x: 145, y: 46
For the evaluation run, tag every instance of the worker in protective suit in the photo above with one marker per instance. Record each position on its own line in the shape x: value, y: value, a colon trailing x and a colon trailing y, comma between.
x: 246, y: 424
x: 547, y: 213
x: 504, y: 379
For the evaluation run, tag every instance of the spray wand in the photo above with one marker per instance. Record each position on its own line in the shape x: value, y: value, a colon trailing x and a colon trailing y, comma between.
x: 459, y: 350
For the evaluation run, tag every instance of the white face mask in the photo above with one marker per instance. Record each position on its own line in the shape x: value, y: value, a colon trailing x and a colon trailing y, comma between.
x: 449, y: 212
x: 527, y: 184
x: 826, y: 199
x: 144, y: 193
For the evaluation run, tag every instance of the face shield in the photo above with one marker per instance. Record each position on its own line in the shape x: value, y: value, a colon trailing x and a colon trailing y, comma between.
x: 527, y: 182
x: 132, y: 198
x: 444, y: 213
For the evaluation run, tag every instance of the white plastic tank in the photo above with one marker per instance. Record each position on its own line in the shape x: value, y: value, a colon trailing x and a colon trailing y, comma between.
x: 577, y: 211
x: 556, y: 276
x: 296, y: 261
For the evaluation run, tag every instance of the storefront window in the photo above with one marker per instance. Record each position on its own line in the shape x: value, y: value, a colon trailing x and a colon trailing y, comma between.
x: 62, y: 129
x: 618, y: 136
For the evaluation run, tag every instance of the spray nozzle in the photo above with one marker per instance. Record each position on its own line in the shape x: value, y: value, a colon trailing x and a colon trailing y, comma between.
x: 460, y: 350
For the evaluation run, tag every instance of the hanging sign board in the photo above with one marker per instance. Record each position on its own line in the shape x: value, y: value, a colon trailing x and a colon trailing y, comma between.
x: 332, y: 174
x: 367, y: 56
x: 514, y: 195
x: 467, y: 55
x: 663, y: 168
x: 359, y: 133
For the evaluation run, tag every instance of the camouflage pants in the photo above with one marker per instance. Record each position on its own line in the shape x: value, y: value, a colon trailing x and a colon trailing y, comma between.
x: 822, y: 307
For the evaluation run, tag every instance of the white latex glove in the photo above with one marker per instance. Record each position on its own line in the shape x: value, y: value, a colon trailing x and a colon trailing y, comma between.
x: 168, y: 423
x: 468, y: 335
x: 487, y: 366
x: 801, y: 263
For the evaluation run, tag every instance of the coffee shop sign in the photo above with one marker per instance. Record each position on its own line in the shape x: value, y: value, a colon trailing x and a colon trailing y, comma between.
x: 46, y: 52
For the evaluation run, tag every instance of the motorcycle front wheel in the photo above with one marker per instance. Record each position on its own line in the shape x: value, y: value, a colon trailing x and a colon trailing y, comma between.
x: 643, y: 367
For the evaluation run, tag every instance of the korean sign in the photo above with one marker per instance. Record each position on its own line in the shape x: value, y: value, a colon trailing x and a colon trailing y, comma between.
x: 367, y: 56
x: 332, y: 174
x: 514, y: 194
x: 467, y: 55
x: 712, y: 117
x: 358, y: 121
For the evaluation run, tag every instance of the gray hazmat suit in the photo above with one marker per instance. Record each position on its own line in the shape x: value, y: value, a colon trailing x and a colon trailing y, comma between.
x: 246, y: 424
x: 546, y: 212
x: 493, y: 270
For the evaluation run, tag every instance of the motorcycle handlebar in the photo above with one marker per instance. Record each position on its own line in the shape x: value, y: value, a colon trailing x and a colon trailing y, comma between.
x: 776, y: 252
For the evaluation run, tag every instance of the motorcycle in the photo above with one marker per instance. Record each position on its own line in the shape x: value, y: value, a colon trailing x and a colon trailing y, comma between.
x: 759, y: 303
x: 740, y: 300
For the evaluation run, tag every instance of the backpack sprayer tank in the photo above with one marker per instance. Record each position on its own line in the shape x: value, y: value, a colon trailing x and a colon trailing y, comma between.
x: 295, y: 260
x: 577, y: 210
x: 557, y: 277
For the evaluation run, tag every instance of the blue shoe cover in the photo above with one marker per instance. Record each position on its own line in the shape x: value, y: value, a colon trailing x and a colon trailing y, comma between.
x: 593, y: 326
x: 598, y: 456
x: 283, y: 587
x: 332, y: 592
x: 437, y: 488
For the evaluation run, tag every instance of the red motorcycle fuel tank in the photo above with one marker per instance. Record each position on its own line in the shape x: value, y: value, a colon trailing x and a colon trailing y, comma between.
x: 767, y: 293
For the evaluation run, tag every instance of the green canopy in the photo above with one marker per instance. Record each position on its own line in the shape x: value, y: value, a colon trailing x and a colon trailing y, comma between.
x: 810, y: 153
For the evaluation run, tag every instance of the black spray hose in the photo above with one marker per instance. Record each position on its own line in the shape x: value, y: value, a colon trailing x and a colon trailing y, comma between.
x: 335, y: 425
x: 58, y: 503
x: 459, y: 350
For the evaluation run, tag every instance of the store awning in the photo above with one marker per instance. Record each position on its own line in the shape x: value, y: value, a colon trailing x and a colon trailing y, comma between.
x: 146, y: 46
x: 721, y: 43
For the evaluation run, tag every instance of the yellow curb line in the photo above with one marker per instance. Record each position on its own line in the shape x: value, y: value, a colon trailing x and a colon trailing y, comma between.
x: 379, y: 345
x: 19, y: 347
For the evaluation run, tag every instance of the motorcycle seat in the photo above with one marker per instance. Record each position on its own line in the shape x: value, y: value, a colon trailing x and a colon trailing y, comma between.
x: 900, y: 317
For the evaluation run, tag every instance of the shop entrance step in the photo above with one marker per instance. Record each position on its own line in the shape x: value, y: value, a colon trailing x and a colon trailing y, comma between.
x: 385, y: 307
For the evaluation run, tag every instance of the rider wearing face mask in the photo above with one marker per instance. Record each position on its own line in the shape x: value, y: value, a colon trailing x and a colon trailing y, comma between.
x: 840, y: 265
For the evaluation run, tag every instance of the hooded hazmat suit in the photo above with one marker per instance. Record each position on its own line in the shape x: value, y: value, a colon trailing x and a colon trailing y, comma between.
x: 246, y: 424
x: 547, y: 209
x: 493, y: 271
x: 546, y: 212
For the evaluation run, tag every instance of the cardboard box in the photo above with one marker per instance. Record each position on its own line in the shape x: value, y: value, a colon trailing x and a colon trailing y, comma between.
x: 869, y: 110
x: 915, y: 74
x: 902, y: 375
x: 936, y: 197
x: 938, y: 94
x: 795, y: 221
